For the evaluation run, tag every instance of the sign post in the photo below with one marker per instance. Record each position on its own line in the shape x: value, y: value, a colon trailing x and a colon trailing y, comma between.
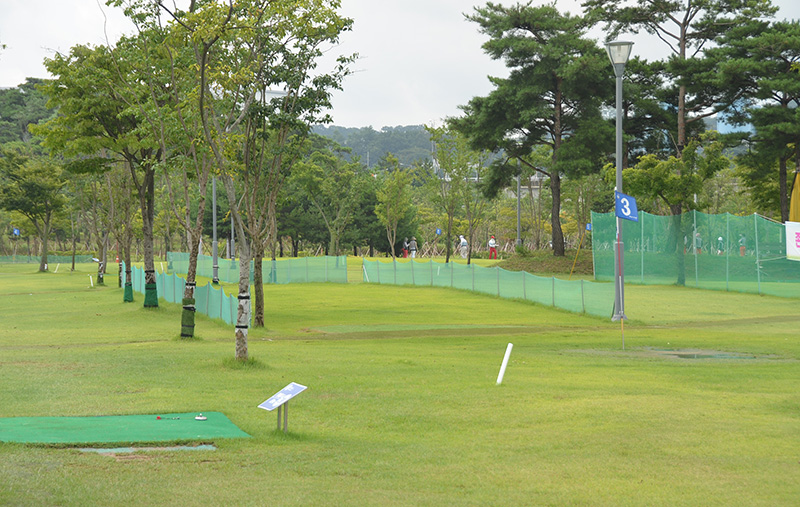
x: 588, y: 228
x: 625, y: 209
x: 15, y: 232
x: 281, y: 399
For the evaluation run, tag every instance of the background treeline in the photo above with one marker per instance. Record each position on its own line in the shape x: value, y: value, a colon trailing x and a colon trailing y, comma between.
x: 744, y: 73
x: 410, y: 144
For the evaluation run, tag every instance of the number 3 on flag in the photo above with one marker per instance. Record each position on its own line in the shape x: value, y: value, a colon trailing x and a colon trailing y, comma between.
x: 626, y: 207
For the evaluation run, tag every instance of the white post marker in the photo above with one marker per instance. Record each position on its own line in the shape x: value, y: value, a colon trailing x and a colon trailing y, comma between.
x: 505, y: 363
x: 91, y: 283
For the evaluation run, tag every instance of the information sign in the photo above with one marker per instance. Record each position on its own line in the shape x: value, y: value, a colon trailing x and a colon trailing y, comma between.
x: 626, y: 207
x: 282, y: 396
x: 793, y: 241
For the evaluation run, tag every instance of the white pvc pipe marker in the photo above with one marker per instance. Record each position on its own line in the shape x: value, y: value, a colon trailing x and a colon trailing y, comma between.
x: 505, y: 363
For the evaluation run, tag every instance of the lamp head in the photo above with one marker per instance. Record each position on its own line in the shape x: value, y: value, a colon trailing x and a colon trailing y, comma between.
x: 619, y: 51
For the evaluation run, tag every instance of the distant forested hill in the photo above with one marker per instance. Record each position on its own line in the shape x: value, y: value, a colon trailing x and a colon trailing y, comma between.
x: 409, y: 144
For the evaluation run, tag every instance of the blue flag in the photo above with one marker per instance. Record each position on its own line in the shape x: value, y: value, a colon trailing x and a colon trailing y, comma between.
x: 626, y: 207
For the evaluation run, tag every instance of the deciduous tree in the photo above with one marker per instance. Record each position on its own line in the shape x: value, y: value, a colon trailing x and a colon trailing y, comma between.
x: 334, y: 186
x: 32, y: 187
x: 675, y: 181
x: 394, y: 200
x: 94, y: 92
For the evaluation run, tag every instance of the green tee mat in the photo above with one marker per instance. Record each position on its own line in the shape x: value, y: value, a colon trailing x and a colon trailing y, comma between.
x: 178, y: 427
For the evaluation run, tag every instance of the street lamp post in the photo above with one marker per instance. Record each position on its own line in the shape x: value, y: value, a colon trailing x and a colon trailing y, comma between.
x: 618, y: 53
x: 519, y: 224
x: 214, y: 247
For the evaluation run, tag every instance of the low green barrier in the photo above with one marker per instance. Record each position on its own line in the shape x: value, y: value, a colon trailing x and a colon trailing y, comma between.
x: 282, y: 271
x: 209, y: 300
x: 212, y: 301
x: 575, y: 296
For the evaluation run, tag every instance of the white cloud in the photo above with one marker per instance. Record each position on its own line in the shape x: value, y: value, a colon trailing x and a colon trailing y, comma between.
x: 420, y: 59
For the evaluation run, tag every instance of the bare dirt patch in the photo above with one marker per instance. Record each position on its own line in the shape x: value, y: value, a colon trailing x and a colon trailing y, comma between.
x: 686, y: 354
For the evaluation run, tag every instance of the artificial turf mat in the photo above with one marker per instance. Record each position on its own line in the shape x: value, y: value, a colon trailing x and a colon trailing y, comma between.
x: 181, y: 427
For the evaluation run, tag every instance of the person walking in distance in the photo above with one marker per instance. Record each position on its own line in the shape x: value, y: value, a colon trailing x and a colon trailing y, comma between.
x: 492, y: 248
x: 412, y: 247
x: 464, y: 246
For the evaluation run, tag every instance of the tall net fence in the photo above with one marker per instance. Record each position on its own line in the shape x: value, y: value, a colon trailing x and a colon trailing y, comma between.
x: 209, y: 300
x: 720, y: 252
x: 289, y: 270
x: 576, y: 296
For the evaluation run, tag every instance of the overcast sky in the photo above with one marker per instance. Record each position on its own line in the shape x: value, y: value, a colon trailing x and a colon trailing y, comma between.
x: 419, y: 59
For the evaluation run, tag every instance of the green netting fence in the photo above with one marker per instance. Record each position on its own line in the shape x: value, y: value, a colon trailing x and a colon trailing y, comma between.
x: 720, y: 252
x: 282, y: 271
x: 51, y: 259
x: 576, y: 296
x: 209, y: 300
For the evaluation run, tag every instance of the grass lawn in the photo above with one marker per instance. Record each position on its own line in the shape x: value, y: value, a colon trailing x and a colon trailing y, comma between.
x: 402, y: 406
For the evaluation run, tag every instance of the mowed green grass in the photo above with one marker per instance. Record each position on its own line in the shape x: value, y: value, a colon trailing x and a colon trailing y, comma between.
x: 402, y: 406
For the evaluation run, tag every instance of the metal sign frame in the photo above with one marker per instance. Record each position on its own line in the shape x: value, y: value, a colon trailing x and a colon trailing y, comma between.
x: 280, y: 400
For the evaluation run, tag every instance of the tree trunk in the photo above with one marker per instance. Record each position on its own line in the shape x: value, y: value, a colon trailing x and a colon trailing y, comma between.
x: 784, y: 189
x: 449, y: 240
x: 555, y: 178
x: 258, y: 284
x: 334, y: 244
x: 188, y: 312
x: 103, y: 255
x: 126, y: 252
x: 147, y: 201
x: 167, y: 244
x: 43, y: 260
x: 681, y: 120
x: 555, y: 218
x: 74, y: 248
x: 189, y: 309
x: 243, y: 311
x: 391, y: 235
x: 119, y: 264
x: 680, y: 255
